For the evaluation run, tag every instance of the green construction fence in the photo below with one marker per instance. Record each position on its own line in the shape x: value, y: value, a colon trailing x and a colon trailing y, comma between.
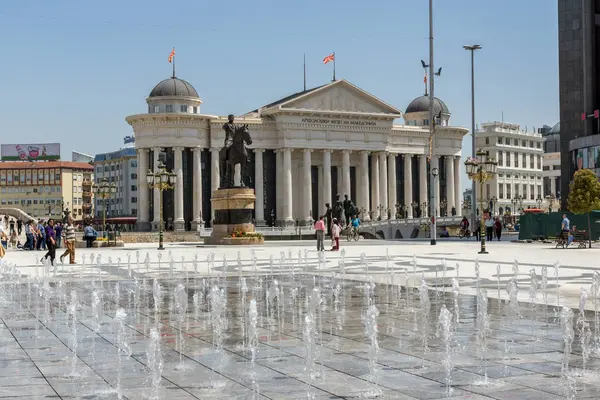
x: 535, y: 225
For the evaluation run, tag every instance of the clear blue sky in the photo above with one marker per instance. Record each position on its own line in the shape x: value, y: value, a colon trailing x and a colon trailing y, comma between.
x: 72, y: 70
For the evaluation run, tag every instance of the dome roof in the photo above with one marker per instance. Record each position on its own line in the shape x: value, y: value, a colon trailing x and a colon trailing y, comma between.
x: 174, y: 87
x: 555, y: 128
x: 421, y: 104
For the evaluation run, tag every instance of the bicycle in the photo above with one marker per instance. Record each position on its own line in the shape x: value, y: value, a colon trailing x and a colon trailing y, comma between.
x: 353, y: 234
x: 464, y: 233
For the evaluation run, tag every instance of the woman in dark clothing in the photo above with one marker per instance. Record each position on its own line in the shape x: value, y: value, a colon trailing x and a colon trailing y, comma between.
x: 498, y: 228
x: 50, y: 241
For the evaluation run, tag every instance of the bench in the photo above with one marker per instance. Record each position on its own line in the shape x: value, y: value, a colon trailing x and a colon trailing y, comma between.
x: 580, y: 237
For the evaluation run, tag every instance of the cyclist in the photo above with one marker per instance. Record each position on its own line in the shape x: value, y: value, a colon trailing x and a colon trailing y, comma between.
x: 355, y: 224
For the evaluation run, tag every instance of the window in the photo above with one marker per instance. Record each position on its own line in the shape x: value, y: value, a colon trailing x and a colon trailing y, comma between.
x: 499, y: 140
x: 501, y: 190
x: 487, y: 140
x: 134, y: 199
x: 531, y: 190
x: 183, y: 108
x: 425, y: 122
x: 508, y: 194
x: 195, y: 108
x: 516, y: 142
x: 516, y: 189
x: 517, y: 160
x: 539, y: 160
x: 525, y: 191
x: 156, y: 109
x: 546, y: 168
x: 500, y: 158
x: 169, y: 108
x: 540, y: 191
x: 531, y: 144
x: 524, y: 160
x: 133, y: 164
x: 539, y: 145
x: 133, y: 188
x: 531, y: 162
x: 134, y: 176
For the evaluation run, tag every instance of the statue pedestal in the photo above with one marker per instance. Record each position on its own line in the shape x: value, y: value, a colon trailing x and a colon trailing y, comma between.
x: 233, y: 213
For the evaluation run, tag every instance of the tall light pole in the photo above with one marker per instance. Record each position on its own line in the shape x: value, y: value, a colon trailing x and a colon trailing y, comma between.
x: 104, y: 189
x: 432, y: 177
x: 472, y: 49
x: 161, y: 180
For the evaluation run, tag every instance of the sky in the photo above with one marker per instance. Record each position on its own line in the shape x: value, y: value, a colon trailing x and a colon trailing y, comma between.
x: 72, y: 70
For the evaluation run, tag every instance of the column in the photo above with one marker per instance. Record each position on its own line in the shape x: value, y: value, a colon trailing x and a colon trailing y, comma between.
x: 423, y: 184
x: 279, y: 186
x: 287, y: 187
x: 457, y: 193
x: 435, y: 163
x: 259, y: 205
x: 364, y: 185
x: 215, y: 176
x: 143, y: 203
x: 375, y: 186
x: 346, y: 174
x: 391, y: 164
x: 450, y: 184
x: 179, y: 222
x: 552, y: 186
x: 340, y: 183
x: 197, y: 192
x: 327, y: 177
x: 156, y: 192
x: 408, y: 184
x: 383, y: 184
x: 307, y: 212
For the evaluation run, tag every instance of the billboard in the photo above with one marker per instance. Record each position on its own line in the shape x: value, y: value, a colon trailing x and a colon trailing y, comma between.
x: 30, y: 152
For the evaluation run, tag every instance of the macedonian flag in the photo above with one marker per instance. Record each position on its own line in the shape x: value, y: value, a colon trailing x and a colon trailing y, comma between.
x: 172, y: 55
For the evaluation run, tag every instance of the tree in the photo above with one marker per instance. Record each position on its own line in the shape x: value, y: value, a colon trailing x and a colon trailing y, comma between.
x: 584, y: 195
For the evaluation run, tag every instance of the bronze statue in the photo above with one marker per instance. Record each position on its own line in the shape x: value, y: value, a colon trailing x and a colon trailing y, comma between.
x: 234, y: 152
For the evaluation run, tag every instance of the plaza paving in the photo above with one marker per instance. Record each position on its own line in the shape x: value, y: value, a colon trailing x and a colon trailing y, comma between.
x: 523, y: 355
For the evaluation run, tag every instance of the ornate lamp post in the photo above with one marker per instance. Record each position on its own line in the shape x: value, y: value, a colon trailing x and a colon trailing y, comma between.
x: 551, y: 199
x: 481, y: 170
x: 432, y: 204
x: 104, y: 189
x: 161, y: 180
x: 539, y: 200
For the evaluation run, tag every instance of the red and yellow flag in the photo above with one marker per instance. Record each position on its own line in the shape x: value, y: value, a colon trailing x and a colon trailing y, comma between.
x: 172, y: 55
x: 425, y: 79
x: 329, y: 58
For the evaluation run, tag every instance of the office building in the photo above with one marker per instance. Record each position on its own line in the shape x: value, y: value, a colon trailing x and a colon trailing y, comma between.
x: 118, y: 167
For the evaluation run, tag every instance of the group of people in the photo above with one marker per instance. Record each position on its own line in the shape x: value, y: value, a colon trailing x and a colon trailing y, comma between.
x: 333, y: 222
x: 493, y: 228
x: 41, y: 236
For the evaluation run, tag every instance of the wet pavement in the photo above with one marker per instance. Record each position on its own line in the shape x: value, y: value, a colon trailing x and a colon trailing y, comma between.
x: 520, y: 356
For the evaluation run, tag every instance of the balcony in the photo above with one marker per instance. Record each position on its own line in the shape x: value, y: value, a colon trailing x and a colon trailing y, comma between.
x: 86, y: 194
x: 87, y: 182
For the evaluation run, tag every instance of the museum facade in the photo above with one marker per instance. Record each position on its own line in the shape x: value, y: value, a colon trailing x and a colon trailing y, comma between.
x: 335, y: 139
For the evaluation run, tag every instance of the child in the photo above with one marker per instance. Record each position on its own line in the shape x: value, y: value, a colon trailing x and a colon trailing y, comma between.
x: 336, y: 229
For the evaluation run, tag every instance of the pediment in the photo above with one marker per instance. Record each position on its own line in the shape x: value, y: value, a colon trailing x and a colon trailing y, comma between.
x: 340, y: 96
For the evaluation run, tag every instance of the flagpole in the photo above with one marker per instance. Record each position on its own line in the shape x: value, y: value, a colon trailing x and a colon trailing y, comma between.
x: 173, y: 62
x: 305, y: 72
x: 334, y: 66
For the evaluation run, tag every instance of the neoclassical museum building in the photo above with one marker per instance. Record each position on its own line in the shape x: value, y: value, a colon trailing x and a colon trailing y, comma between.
x: 308, y: 147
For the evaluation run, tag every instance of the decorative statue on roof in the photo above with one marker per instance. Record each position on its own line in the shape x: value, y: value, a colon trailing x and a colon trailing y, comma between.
x: 234, y: 151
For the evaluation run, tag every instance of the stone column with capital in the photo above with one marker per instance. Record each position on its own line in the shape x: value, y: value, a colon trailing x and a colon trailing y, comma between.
x: 327, y: 177
x: 392, y: 197
x: 156, y: 193
x: 307, y: 212
x: 279, y: 187
x: 143, y: 201
x: 383, y: 184
x: 450, y: 184
x: 287, y: 209
x: 259, y: 207
x: 423, y: 185
x: 364, y: 190
x: 457, y: 194
x: 198, y: 223
x: 375, y: 186
x: 408, y: 198
x: 179, y: 222
x: 215, y: 176
x: 346, y: 174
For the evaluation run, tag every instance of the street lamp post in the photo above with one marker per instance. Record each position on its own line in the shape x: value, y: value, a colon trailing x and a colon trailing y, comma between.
x: 104, y: 189
x: 161, y: 180
x: 472, y: 49
x: 432, y: 207
x: 481, y: 170
x: 539, y: 200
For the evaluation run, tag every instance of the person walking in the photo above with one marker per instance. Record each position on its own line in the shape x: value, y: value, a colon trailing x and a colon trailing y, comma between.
x: 28, y: 237
x: 50, y: 236
x: 58, y: 229
x: 336, y: 229
x: 489, y: 228
x: 320, y: 230
x: 41, y: 236
x: 89, y: 234
x: 328, y: 216
x: 498, y: 228
x: 68, y: 232
x: 19, y: 226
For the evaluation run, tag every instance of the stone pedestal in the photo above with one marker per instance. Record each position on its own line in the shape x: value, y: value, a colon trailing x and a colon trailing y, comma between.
x: 233, y: 212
